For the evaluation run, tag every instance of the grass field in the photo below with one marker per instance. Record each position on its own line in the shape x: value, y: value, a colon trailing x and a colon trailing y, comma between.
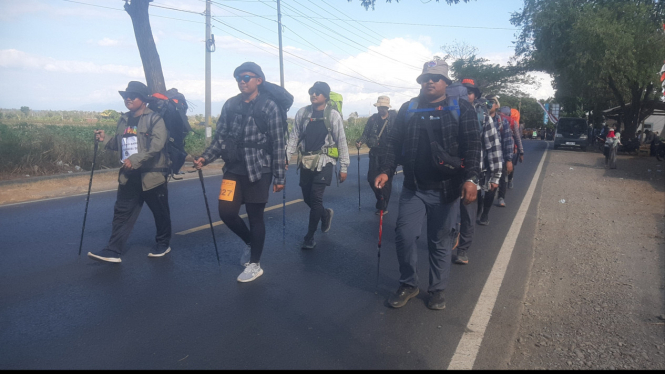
x: 47, y: 147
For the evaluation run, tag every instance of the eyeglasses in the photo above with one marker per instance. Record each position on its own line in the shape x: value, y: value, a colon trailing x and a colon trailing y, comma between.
x: 433, y: 77
x: 315, y: 93
x: 245, y: 78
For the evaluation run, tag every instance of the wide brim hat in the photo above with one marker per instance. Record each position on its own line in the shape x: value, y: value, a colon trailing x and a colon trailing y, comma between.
x: 137, y: 88
x: 435, y: 67
x: 471, y: 85
x: 383, y: 101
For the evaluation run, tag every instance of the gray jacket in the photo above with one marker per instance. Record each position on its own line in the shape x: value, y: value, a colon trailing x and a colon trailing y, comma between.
x: 151, y: 161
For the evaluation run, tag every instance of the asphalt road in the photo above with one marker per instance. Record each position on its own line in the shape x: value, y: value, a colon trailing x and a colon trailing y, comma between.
x: 310, y: 310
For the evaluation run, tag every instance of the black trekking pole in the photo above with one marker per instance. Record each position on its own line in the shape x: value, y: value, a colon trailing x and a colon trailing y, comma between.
x: 209, y: 218
x: 87, y: 200
x: 378, y: 261
x: 358, y: 178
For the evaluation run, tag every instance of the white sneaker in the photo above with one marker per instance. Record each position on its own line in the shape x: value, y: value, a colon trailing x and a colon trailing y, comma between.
x: 246, y: 255
x: 251, y: 272
x: 159, y: 254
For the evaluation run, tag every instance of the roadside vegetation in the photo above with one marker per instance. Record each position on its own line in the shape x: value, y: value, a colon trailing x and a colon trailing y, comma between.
x: 34, y: 143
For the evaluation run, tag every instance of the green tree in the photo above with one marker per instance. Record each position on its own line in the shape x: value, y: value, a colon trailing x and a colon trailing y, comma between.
x: 602, y: 53
x: 110, y: 114
x: 25, y: 110
x: 370, y: 3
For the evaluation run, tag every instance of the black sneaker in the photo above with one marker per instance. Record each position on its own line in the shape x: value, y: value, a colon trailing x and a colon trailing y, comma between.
x: 436, y: 300
x: 484, y: 220
x: 460, y: 257
x: 403, y: 294
x: 106, y: 256
x: 308, y: 244
x: 327, y: 220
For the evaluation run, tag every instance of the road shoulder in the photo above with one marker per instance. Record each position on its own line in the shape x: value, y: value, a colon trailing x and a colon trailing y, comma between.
x: 594, y: 299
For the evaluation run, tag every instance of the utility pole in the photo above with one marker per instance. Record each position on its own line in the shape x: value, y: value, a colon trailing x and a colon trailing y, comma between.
x: 281, y: 83
x: 209, y: 49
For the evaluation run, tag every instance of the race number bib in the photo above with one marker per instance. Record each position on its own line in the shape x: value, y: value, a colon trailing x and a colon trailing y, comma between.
x: 129, y: 147
x: 227, y: 190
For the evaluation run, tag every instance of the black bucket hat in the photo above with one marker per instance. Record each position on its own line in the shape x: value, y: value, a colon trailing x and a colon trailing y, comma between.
x: 250, y: 67
x: 137, y: 88
x: 322, y: 87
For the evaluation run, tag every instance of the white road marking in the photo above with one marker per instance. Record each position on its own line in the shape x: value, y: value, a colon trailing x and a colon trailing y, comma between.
x: 203, y: 227
x: 468, y: 347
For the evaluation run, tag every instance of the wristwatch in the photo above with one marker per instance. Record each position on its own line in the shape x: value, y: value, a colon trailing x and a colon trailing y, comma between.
x: 473, y: 180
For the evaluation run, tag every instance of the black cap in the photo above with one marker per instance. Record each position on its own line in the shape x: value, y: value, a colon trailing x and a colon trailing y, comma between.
x: 137, y: 88
x: 321, y: 87
x: 249, y: 67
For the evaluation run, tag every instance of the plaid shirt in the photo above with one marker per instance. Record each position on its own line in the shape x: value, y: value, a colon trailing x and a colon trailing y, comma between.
x: 491, y: 151
x: 255, y: 158
x: 507, y: 142
x: 338, y: 139
x: 517, y: 136
x: 464, y: 137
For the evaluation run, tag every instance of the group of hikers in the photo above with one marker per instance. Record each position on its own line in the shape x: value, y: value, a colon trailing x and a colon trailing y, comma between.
x: 456, y: 147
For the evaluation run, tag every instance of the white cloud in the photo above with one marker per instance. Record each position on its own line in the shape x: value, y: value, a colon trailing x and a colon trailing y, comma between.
x: 15, y: 59
x: 106, y: 42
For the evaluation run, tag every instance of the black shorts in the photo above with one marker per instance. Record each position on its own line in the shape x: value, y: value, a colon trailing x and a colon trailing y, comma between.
x: 324, y: 176
x: 248, y: 192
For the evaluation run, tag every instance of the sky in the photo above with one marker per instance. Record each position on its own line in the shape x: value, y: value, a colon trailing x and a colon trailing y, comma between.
x: 76, y: 55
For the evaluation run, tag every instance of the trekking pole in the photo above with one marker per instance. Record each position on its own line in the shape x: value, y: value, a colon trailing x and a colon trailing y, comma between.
x: 205, y: 198
x: 378, y: 261
x: 358, y: 178
x: 284, y: 215
x: 87, y: 200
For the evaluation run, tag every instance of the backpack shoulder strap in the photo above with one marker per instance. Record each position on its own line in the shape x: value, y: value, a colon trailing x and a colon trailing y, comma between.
x: 259, y: 115
x: 411, y: 110
x: 453, y: 107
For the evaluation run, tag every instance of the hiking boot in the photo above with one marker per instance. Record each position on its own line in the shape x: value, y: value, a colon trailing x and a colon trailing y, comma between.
x: 159, y: 252
x: 501, y: 202
x: 403, y: 294
x: 484, y: 220
x: 106, y: 256
x: 308, y: 243
x: 436, y: 300
x: 378, y: 212
x: 251, y: 272
x: 246, y: 255
x: 460, y: 257
x: 327, y: 220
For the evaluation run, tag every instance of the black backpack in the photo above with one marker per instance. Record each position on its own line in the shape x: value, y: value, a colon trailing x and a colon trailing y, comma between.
x: 276, y: 93
x: 173, y: 109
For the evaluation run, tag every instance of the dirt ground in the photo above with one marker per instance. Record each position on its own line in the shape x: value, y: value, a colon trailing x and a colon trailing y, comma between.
x: 595, y: 295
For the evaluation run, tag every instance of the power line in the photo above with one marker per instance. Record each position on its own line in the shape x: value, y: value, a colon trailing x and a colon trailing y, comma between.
x: 122, y: 10
x: 304, y: 59
x: 353, y: 41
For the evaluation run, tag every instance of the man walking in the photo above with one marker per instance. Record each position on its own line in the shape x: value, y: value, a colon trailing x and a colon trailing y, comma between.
x: 318, y: 137
x: 141, y: 138
x: 491, y: 164
x: 429, y: 191
x: 507, y: 148
x: 518, y: 152
x: 375, y: 135
x: 250, y: 139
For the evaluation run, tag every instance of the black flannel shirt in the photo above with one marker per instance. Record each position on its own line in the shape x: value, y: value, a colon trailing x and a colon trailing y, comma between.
x: 465, y: 137
x: 373, y: 128
x: 255, y: 158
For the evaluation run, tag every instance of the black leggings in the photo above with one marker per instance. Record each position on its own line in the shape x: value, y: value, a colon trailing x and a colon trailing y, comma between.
x: 255, y: 235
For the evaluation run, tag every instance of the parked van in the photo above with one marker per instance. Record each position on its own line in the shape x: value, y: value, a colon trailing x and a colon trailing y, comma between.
x: 571, y: 132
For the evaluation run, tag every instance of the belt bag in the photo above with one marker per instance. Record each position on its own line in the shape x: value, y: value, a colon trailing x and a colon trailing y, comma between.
x: 230, y: 152
x: 309, y: 161
x: 442, y: 161
x: 332, y: 152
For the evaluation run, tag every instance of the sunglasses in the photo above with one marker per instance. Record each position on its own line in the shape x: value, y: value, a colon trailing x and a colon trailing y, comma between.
x: 131, y: 96
x: 433, y: 77
x: 315, y: 93
x: 245, y: 78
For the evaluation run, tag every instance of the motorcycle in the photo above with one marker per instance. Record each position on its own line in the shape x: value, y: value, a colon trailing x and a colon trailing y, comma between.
x: 660, y: 151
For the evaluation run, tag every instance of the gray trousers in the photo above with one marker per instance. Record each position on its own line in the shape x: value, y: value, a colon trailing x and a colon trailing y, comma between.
x: 442, y: 228
x: 467, y: 225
